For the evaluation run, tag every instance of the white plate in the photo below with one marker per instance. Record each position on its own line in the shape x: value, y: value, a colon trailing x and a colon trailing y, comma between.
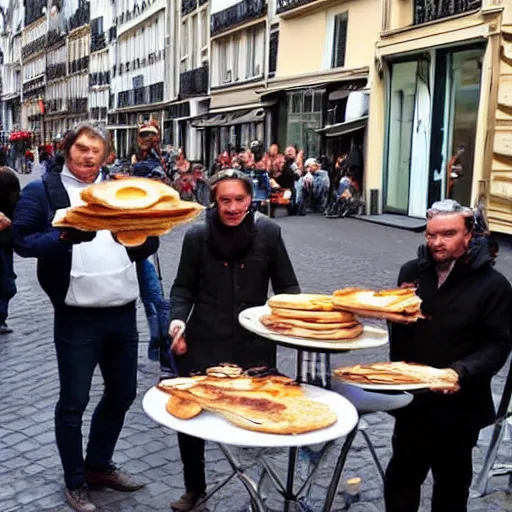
x: 386, y: 387
x: 215, y: 428
x: 370, y: 338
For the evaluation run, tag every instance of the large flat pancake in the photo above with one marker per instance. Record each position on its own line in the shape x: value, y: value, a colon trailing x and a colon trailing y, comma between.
x: 164, y: 208
x: 314, y: 316
x: 301, y: 301
x: 315, y: 326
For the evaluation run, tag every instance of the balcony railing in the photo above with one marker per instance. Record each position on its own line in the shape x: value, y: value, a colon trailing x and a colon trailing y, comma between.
x: 237, y: 14
x: 288, y: 5
x: 54, y: 37
x: 79, y: 65
x: 194, y: 82
x: 56, y: 71
x: 99, y: 78
x: 98, y: 42
x: 35, y: 46
x: 77, y: 105
x: 187, y: 6
x: 141, y: 96
x: 431, y: 10
x: 33, y: 89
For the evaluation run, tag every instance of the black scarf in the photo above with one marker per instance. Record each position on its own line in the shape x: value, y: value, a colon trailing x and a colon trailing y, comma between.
x: 229, y: 242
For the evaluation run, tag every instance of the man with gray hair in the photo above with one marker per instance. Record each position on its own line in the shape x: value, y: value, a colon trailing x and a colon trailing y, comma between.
x: 91, y: 281
x: 466, y: 332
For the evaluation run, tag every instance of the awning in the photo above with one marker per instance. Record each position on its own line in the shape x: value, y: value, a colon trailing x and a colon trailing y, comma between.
x: 335, y: 130
x: 230, y: 118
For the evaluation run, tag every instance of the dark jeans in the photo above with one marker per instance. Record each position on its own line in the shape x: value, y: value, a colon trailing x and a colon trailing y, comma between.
x: 192, y: 456
x: 85, y: 338
x: 7, y: 282
x: 421, y: 446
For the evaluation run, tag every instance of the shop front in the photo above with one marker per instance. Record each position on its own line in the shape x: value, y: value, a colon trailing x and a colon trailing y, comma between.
x: 432, y: 117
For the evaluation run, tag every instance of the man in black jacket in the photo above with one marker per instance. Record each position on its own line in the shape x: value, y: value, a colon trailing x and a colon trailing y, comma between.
x: 225, y: 267
x: 466, y: 332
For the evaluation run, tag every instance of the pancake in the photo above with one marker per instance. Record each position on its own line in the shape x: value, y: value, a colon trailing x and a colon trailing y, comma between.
x: 314, y: 316
x: 315, y: 326
x: 163, y: 208
x: 182, y: 409
x: 302, y: 301
x: 128, y: 194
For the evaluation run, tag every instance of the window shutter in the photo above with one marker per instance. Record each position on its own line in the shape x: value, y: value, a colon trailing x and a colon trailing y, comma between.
x: 274, y: 43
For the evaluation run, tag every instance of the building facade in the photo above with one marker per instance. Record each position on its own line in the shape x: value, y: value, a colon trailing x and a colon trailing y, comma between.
x: 10, y: 41
x: 138, y: 72
x: 440, y: 122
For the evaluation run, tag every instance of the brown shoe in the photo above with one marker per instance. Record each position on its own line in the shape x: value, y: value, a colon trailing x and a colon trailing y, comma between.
x: 188, y: 501
x: 114, y: 479
x: 80, y: 500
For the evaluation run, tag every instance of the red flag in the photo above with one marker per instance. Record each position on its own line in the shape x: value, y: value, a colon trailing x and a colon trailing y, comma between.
x: 41, y: 105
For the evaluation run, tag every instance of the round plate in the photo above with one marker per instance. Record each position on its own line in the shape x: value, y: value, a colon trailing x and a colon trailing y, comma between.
x: 370, y: 338
x: 215, y: 428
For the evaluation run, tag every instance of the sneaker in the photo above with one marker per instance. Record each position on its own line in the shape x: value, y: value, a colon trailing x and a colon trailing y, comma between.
x: 4, y: 329
x: 114, y: 479
x: 188, y: 501
x: 79, y: 500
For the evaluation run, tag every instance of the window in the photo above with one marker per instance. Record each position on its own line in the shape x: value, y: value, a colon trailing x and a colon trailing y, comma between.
x: 194, y: 43
x: 339, y: 41
x: 223, y: 63
x: 236, y: 58
x: 184, y: 46
x: 251, y: 54
x: 203, y: 19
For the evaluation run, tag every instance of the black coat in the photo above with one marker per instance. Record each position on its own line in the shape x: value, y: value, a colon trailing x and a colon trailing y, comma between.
x: 467, y: 329
x: 216, y: 290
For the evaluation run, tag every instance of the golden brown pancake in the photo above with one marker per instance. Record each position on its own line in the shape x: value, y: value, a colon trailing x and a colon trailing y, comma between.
x: 301, y: 301
x: 314, y: 316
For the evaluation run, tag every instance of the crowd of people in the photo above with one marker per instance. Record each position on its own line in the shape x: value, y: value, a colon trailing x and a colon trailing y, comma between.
x: 227, y: 263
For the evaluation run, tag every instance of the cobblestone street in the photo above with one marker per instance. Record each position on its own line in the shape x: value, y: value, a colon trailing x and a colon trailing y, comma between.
x: 327, y: 254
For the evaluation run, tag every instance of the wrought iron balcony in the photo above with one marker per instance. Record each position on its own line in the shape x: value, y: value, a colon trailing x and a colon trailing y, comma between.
x: 288, y: 5
x: 187, y: 6
x: 98, y: 42
x: 194, y: 82
x: 99, y: 78
x: 33, y: 89
x: 77, y: 105
x: 141, y: 95
x: 33, y: 47
x: 431, y: 10
x: 56, y: 71
x: 34, y: 10
x: 54, y: 37
x: 237, y: 14
x: 79, y: 65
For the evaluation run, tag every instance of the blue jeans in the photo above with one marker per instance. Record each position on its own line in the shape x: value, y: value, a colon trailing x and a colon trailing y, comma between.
x: 157, y: 313
x: 85, y: 338
x: 7, y: 282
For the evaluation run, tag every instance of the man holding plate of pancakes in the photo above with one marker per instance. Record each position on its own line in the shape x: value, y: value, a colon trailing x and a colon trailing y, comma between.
x: 466, y: 333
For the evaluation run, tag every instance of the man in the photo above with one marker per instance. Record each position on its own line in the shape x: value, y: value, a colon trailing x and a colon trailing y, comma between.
x: 225, y: 267
x: 315, y: 186
x: 9, y: 194
x: 92, y: 283
x: 466, y: 333
x: 148, y: 163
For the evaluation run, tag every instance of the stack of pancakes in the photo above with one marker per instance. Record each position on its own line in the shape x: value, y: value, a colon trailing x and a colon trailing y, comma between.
x: 398, y: 305
x: 310, y: 316
x: 131, y: 208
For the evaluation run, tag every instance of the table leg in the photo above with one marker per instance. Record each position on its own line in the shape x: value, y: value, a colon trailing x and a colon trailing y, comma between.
x: 340, y: 464
x: 251, y: 487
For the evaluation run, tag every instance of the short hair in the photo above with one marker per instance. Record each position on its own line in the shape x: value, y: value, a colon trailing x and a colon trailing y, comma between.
x: 451, y: 207
x: 230, y: 174
x: 89, y: 129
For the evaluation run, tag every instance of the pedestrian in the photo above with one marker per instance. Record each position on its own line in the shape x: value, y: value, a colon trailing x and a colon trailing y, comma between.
x: 148, y: 163
x: 9, y: 195
x: 225, y: 267
x: 466, y: 333
x: 314, y: 187
x: 91, y: 281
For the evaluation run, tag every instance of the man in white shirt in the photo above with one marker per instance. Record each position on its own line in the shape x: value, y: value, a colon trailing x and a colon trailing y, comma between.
x: 92, y: 283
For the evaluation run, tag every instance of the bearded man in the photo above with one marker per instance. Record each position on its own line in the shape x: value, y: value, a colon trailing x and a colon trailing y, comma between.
x: 466, y: 332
